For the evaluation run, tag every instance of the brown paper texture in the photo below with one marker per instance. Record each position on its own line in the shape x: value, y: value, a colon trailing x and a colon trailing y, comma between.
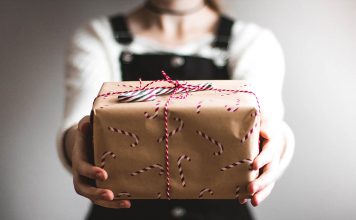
x: 203, y: 171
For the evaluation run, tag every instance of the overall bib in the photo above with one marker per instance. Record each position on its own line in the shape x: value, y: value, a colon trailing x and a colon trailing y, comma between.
x: 148, y: 66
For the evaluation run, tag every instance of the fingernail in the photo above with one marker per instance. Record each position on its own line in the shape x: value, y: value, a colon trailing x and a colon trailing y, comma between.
x: 254, y: 203
x: 99, y: 176
x: 252, y: 188
x: 255, y: 188
x: 243, y: 201
x: 104, y: 195
x: 123, y: 205
x: 255, y: 167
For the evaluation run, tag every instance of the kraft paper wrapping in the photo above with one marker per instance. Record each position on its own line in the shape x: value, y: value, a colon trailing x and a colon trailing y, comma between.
x: 209, y: 134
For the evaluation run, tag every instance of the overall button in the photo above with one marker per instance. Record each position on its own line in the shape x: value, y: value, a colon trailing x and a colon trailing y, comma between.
x: 127, y: 57
x: 178, y: 212
x: 177, y: 61
x: 220, y: 61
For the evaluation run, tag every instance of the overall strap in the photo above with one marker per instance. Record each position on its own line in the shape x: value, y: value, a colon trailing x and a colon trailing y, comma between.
x: 223, y: 33
x: 123, y: 36
x: 120, y: 29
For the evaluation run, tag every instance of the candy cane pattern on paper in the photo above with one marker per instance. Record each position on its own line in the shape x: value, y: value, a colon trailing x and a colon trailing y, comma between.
x: 134, y: 136
x: 159, y: 195
x: 128, y: 86
x: 177, y: 87
x: 213, y: 141
x: 236, y: 164
x: 205, y: 190
x: 178, y: 129
x: 179, y: 163
x: 249, y: 133
x: 237, y: 192
x: 233, y: 109
x: 159, y: 166
x: 123, y: 194
x: 155, y: 111
x: 227, y: 93
x: 103, y: 158
x: 199, y: 106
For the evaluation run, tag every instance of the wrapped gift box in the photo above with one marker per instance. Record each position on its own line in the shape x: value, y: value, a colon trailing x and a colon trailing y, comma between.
x: 213, y: 138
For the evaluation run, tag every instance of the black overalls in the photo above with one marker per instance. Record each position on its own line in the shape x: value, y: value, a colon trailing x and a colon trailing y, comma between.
x: 148, y: 67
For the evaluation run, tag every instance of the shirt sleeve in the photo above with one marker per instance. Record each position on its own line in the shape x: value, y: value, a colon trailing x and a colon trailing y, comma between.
x: 87, y: 67
x: 257, y: 56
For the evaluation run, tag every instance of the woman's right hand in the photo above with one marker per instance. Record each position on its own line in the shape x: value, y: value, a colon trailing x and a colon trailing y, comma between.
x: 84, y: 173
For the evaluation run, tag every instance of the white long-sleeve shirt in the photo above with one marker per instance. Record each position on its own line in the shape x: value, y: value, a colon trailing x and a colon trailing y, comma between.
x: 92, y: 58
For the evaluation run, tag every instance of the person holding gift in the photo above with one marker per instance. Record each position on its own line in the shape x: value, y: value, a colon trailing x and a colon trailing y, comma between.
x: 191, y: 40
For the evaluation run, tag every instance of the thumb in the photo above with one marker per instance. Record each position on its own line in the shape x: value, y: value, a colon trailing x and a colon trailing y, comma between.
x: 266, y: 130
x: 270, y: 128
x: 84, y: 124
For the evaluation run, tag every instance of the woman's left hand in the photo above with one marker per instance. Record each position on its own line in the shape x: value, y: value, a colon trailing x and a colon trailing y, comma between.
x: 268, y: 161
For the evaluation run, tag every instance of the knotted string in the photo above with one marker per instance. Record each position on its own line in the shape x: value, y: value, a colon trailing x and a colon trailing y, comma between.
x: 147, y: 93
x: 150, y: 94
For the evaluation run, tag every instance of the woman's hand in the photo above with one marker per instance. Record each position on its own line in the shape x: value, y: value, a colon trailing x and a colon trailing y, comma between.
x: 84, y: 172
x: 268, y: 161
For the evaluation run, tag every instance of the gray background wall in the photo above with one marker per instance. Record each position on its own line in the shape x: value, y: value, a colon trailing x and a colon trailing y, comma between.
x: 318, y: 37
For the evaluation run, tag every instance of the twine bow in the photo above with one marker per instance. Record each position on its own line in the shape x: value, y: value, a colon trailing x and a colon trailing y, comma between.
x: 149, y: 94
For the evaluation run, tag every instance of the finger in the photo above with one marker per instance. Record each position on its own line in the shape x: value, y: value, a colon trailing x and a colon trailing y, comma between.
x: 82, y: 146
x: 266, y: 131
x: 86, y: 169
x: 83, y: 124
x: 82, y: 187
x: 81, y: 164
x: 262, y: 195
x: 82, y: 140
x: 268, y: 177
x: 115, y: 204
x: 269, y: 128
x: 242, y: 201
x: 266, y: 155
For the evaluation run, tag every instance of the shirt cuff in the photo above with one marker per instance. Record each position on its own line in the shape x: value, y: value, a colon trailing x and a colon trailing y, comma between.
x: 60, y: 148
x: 289, y: 147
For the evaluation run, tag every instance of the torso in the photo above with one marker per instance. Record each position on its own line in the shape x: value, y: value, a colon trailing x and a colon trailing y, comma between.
x: 148, y: 66
x: 172, y: 31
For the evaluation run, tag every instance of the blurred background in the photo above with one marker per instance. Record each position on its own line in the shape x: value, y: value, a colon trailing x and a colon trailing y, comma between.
x: 319, y: 41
